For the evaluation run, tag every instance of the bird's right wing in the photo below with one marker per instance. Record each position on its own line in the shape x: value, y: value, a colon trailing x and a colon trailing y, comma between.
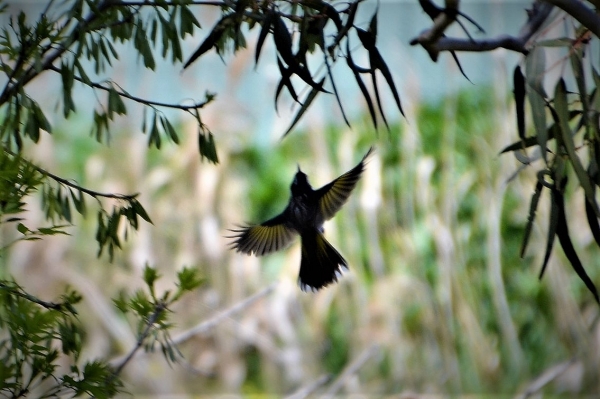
x: 335, y: 194
x: 264, y: 238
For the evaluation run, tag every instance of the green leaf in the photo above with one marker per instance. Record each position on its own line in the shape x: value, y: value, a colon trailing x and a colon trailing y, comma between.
x: 189, y: 279
x: 206, y: 144
x: 534, y: 69
x: 139, y: 209
x: 565, y: 242
x: 562, y: 111
x: 150, y: 276
x: 560, y: 42
x: 169, y: 129
x: 21, y: 228
x: 535, y: 198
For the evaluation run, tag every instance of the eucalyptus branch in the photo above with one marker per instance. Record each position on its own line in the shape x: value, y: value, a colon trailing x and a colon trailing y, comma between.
x: 92, y: 193
x: 139, y: 100
x: 578, y: 10
x: 434, y: 42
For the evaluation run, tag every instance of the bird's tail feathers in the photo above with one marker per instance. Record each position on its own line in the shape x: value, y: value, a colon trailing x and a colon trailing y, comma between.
x: 321, y: 263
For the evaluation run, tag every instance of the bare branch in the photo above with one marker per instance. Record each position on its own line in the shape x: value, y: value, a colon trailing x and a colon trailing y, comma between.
x: 537, y: 16
x: 578, y: 10
x: 545, y: 378
x: 350, y: 370
x: 207, y: 325
x: 308, y: 389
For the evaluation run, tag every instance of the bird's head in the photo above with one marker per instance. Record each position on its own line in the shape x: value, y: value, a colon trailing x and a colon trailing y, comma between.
x: 300, y: 185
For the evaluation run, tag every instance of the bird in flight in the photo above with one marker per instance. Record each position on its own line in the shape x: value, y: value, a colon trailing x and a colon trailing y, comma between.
x: 321, y: 264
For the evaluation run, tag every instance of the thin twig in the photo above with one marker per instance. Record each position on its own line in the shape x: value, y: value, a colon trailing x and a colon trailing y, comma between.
x: 133, y: 98
x: 92, y: 193
x: 545, y: 378
x: 308, y: 389
x: 18, y: 292
x: 161, y: 307
x: 350, y: 370
x: 209, y: 324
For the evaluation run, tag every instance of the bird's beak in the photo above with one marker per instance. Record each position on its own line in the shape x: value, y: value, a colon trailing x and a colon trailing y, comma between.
x: 298, y: 167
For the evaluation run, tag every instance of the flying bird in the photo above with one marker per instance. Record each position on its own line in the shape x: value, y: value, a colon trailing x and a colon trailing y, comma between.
x: 321, y: 264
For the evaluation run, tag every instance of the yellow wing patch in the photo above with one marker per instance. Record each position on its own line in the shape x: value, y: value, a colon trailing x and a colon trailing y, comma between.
x: 261, y: 240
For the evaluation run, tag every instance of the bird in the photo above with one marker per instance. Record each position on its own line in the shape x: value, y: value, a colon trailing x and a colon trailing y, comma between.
x: 321, y: 264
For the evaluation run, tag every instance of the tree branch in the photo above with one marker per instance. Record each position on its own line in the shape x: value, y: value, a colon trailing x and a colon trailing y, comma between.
x: 578, y: 10
x: 434, y: 42
x: 133, y: 98
x: 92, y: 193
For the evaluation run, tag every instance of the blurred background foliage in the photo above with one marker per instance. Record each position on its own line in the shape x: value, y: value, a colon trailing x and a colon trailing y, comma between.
x: 437, y: 299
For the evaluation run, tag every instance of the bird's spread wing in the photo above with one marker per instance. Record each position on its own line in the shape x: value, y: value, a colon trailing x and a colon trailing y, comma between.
x: 333, y: 195
x: 263, y: 238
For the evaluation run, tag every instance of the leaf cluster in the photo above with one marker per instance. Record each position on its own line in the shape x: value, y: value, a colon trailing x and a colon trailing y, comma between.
x: 299, y: 30
x: 38, y: 336
x: 152, y: 311
x: 566, y: 123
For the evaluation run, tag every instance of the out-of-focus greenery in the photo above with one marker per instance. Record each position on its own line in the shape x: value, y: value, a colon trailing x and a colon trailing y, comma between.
x: 437, y: 299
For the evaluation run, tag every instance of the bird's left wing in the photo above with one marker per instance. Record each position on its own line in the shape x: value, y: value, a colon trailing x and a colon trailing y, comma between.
x: 264, y: 238
x: 335, y: 194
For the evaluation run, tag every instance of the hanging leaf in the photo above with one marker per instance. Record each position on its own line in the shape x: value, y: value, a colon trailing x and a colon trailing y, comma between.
x: 562, y: 113
x: 535, y: 198
x: 264, y: 31
x: 534, y: 70
x: 552, y: 227
x: 565, y: 242
x: 211, y: 40
x: 309, y: 99
x: 361, y: 84
x: 519, y: 93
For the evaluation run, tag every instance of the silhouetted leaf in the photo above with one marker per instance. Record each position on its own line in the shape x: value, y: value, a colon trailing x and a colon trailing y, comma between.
x: 460, y: 68
x: 264, y: 31
x: 379, y: 63
x: 531, y: 216
x: 309, y: 99
x: 206, y: 145
x: 361, y: 85
x: 283, y: 41
x: 335, y: 92
x: 592, y: 221
x: 519, y: 93
x: 553, y: 224
x: 210, y: 41
x: 567, y: 246
x: 562, y: 113
x: 285, y: 81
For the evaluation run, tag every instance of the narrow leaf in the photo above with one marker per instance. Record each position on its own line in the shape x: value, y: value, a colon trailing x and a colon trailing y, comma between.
x: 264, y: 31
x: 535, y: 198
x: 519, y: 93
x: 562, y: 112
x: 309, y: 99
x: 567, y: 246
x: 554, y: 215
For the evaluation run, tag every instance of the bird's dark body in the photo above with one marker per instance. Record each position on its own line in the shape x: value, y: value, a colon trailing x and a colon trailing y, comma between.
x: 307, y: 210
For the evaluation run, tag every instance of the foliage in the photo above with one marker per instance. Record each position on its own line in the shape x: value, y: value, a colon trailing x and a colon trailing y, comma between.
x: 31, y: 357
x: 78, y: 42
